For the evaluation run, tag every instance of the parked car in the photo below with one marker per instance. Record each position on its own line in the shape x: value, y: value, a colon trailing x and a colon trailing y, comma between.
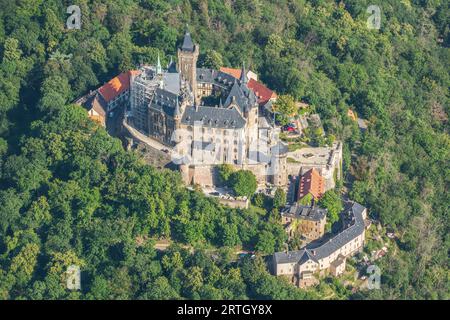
x: 289, y: 128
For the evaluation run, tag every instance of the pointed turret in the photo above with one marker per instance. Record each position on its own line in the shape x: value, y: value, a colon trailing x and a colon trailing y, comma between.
x: 172, y: 67
x: 158, y: 66
x: 177, y: 113
x: 188, y: 45
x: 243, y: 78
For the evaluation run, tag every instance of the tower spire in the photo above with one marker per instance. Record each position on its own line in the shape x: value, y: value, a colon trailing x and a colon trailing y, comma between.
x: 158, y: 66
x: 243, y: 74
x: 177, y: 113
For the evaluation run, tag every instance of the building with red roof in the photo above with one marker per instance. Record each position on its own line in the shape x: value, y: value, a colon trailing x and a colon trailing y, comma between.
x: 117, y: 89
x: 311, y: 182
x: 263, y: 93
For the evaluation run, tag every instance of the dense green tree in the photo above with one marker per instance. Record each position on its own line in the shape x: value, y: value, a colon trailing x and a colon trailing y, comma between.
x: 333, y: 203
x: 279, y: 199
x: 286, y: 108
x: 266, y: 242
x: 225, y: 172
x: 243, y: 183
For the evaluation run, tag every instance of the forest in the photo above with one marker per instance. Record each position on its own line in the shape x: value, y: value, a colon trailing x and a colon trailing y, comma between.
x: 71, y: 195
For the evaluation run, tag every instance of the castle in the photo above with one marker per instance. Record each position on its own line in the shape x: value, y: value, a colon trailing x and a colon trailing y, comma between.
x: 205, y: 117
x: 208, y: 117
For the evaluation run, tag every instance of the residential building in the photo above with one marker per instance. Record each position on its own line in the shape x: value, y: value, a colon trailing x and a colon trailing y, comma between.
x: 307, y: 221
x: 328, y: 255
x: 311, y: 183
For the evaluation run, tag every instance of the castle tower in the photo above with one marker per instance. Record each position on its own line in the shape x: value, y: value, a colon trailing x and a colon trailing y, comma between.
x: 187, y: 62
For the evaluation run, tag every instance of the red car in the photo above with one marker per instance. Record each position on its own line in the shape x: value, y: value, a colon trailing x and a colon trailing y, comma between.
x: 289, y: 129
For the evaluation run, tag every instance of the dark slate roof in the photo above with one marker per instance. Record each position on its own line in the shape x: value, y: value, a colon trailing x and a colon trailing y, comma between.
x: 188, y: 45
x: 213, y: 117
x: 322, y: 250
x: 172, y: 82
x: 305, y: 212
x: 164, y: 101
x: 215, y: 77
x: 242, y: 96
x: 288, y: 257
x: 206, y: 75
x: 299, y: 256
x: 252, y: 99
x: 223, y: 78
x: 172, y: 67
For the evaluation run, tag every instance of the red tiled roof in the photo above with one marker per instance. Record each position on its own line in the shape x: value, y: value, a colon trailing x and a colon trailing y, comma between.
x: 117, y: 85
x: 231, y: 71
x: 263, y: 93
x: 311, y: 182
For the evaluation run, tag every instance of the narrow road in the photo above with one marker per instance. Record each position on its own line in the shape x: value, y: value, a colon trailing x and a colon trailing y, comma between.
x: 151, y: 142
x: 162, y: 245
